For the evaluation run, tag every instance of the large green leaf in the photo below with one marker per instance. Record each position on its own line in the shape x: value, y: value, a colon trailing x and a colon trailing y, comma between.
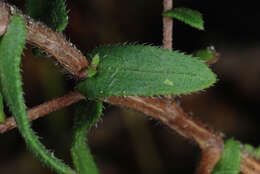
x: 230, y: 159
x: 11, y: 48
x: 188, y: 16
x: 137, y: 70
x: 87, y: 114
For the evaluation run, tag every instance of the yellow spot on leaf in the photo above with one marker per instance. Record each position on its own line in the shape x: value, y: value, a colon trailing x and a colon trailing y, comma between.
x: 168, y: 82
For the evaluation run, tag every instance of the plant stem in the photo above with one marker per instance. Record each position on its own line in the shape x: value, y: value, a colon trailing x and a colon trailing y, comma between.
x: 170, y: 114
x: 167, y: 26
x: 44, y: 109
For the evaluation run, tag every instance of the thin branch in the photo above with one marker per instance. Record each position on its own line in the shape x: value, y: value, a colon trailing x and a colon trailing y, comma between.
x: 170, y: 114
x: 167, y: 26
x: 44, y: 109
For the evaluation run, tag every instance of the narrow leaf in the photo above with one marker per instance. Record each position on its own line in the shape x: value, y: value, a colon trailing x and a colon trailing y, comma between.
x: 87, y: 114
x: 230, y: 159
x: 138, y: 70
x: 188, y: 16
x: 2, y: 114
x: 11, y: 48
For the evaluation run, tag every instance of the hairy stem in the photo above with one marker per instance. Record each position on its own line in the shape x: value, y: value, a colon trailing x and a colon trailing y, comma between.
x: 44, y: 109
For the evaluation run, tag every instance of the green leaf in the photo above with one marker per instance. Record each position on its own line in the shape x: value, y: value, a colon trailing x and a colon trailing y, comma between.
x: 249, y: 148
x: 205, y: 54
x: 11, y: 48
x: 188, y: 16
x: 59, y: 18
x: 2, y: 114
x: 52, y: 12
x: 252, y: 150
x: 257, y: 152
x: 87, y: 114
x: 138, y: 70
x: 230, y: 159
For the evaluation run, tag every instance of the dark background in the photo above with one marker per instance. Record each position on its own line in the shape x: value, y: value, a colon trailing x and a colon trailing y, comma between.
x: 126, y: 141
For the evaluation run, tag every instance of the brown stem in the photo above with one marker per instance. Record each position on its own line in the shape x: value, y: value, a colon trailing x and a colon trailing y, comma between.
x: 4, y: 18
x: 44, y: 109
x: 169, y: 113
x: 209, y: 158
x: 167, y: 26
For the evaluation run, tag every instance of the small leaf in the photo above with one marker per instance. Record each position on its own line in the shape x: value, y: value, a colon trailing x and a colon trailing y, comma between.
x: 11, y: 48
x: 87, y: 114
x: 205, y: 54
x: 95, y: 61
x: 93, y: 66
x: 249, y: 148
x: 2, y: 114
x: 138, y: 70
x: 91, y: 72
x: 188, y: 16
x: 230, y: 159
x: 252, y: 150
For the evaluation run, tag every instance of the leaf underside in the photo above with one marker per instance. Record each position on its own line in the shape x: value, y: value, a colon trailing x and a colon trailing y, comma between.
x: 11, y: 48
x: 188, y: 16
x: 230, y: 159
x: 138, y: 70
x: 87, y: 114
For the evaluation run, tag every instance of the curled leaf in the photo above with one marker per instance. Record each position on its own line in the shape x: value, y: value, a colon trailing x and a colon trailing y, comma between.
x: 11, y: 48
x: 188, y: 16
x: 138, y: 70
x: 87, y: 114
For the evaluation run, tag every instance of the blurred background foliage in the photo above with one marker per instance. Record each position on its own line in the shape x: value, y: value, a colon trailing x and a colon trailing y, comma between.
x: 125, y: 141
